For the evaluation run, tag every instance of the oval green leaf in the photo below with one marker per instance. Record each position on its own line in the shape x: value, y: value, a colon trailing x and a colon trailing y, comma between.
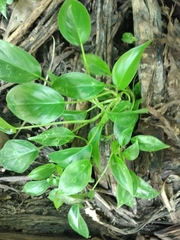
x: 123, y: 135
x: 125, y: 68
x: 75, y: 177
x: 94, y: 138
x: 17, y: 155
x: 54, y: 137
x: 128, y: 38
x: 74, y: 22
x: 143, y: 189
x: 123, y: 197
x: 78, y: 85
x: 149, y: 143
x: 77, y: 222
x: 125, y: 119
x: 96, y: 65
x: 64, y: 157
x: 17, y: 66
x: 131, y: 152
x: 35, y: 188
x: 42, y: 172
x: 121, y: 173
x: 35, y: 103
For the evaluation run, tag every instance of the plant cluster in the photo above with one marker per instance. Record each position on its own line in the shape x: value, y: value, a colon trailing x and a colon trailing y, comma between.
x: 69, y: 170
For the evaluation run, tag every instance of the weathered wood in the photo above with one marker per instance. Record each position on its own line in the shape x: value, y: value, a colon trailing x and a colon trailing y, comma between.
x: 21, y: 236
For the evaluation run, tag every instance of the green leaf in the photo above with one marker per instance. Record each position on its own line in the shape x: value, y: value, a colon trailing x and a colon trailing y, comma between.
x: 74, y: 22
x: 78, y: 85
x: 42, y: 172
x: 53, y: 180
x: 125, y: 68
x: 17, y: 66
x: 69, y: 115
x: 17, y: 155
x: 96, y: 65
x: 75, y: 177
x: 64, y: 157
x: 123, y: 135
x: 122, y: 106
x: 123, y: 197
x: 126, y: 119
x: 76, y: 221
x: 35, y: 103
x: 132, y: 152
x: 3, y: 7
x: 54, y: 137
x: 121, y: 173
x: 135, y: 181
x: 6, y: 127
x: 144, y: 190
x: 94, y: 138
x: 149, y: 143
x: 128, y: 38
x: 35, y: 188
x: 53, y: 196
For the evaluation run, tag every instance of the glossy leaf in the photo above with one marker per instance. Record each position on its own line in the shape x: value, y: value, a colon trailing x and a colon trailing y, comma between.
x: 17, y: 155
x: 144, y: 190
x: 74, y: 22
x: 35, y: 103
x: 123, y: 197
x: 75, y: 177
x: 126, y: 119
x: 17, y: 66
x: 6, y: 127
x: 35, y: 188
x: 126, y: 67
x: 96, y: 65
x: 53, y: 196
x: 42, y: 172
x: 70, y: 115
x: 122, y: 106
x: 94, y: 138
x: 149, y: 143
x: 123, y: 135
x: 54, y: 137
x: 121, y: 173
x: 135, y: 181
x: 76, y: 221
x: 78, y: 85
x: 131, y: 152
x: 64, y: 157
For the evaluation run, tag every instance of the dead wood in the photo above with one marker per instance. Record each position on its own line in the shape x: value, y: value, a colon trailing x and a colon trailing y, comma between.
x: 159, y: 74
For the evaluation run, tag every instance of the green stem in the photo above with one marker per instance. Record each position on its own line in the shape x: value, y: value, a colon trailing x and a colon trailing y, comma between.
x: 63, y: 122
x: 102, y: 174
x: 84, y: 59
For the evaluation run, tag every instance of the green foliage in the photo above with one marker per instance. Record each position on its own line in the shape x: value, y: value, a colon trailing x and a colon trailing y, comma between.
x: 17, y: 66
x: 69, y: 170
x: 3, y: 6
x: 128, y: 38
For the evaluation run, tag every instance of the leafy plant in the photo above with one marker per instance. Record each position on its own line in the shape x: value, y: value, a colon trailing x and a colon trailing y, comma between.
x: 69, y: 170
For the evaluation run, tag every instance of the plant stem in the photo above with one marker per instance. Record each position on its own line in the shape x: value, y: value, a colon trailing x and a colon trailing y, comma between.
x: 102, y: 174
x: 84, y: 58
x: 61, y: 123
